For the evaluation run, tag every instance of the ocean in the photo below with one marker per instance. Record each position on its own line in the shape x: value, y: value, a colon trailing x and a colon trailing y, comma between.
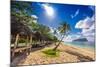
x: 90, y: 45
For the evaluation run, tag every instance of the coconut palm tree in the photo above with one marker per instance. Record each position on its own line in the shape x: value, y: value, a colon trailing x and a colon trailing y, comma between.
x: 63, y: 29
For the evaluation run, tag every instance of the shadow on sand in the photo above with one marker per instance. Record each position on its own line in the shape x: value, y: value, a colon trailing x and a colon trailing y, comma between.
x: 81, y: 57
x: 20, y: 56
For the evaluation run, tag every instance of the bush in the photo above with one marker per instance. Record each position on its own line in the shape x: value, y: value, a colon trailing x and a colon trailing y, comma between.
x: 51, y: 52
x: 22, y: 41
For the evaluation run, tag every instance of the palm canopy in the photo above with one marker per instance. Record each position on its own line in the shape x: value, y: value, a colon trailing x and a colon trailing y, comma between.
x: 64, y: 27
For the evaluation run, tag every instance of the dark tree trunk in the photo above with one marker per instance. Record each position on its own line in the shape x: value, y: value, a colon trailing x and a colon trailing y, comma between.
x: 58, y: 44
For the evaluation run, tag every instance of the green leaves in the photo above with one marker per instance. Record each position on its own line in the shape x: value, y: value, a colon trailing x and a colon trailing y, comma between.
x: 21, y: 13
x: 51, y: 53
x: 18, y: 6
x: 64, y: 27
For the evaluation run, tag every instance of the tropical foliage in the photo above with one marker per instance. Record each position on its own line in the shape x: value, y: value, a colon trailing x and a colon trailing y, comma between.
x: 29, y: 31
x: 64, y: 28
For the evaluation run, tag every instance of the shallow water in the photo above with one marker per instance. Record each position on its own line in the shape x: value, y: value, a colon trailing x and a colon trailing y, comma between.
x: 90, y: 45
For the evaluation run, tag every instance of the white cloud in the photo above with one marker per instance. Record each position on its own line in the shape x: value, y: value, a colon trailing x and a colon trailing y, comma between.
x: 51, y: 30
x: 85, y: 23
x: 58, y: 35
x: 89, y: 30
x: 93, y: 18
x: 88, y: 27
x: 76, y: 13
x: 67, y: 39
x: 71, y: 37
x: 91, y: 38
x: 89, y: 33
x: 34, y: 16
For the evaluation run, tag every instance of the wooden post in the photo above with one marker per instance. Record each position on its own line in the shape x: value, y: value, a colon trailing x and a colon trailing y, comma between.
x: 30, y: 39
x: 27, y: 41
x: 30, y: 44
x: 15, y: 45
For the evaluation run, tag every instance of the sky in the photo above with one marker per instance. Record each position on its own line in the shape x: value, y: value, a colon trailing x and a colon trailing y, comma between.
x: 80, y: 17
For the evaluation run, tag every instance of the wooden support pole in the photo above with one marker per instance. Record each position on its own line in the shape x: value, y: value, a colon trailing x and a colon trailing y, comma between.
x: 30, y: 44
x: 27, y: 41
x: 15, y: 45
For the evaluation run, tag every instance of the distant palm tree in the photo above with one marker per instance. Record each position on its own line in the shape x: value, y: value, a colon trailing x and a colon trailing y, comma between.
x: 63, y: 28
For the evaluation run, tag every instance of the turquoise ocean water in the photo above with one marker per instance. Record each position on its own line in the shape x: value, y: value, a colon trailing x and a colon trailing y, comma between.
x: 90, y: 45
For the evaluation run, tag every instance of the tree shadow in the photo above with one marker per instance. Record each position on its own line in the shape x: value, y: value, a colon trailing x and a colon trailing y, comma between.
x: 20, y: 56
x: 81, y: 57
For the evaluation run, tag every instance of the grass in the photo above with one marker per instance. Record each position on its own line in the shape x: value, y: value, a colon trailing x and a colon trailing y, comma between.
x: 51, y: 52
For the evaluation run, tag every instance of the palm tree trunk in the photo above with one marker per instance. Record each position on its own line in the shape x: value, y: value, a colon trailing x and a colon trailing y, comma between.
x: 15, y: 45
x: 58, y: 44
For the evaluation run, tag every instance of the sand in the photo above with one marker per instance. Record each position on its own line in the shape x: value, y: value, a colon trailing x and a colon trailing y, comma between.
x: 67, y: 54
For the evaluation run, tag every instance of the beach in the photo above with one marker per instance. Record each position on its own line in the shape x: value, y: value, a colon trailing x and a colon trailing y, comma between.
x: 68, y: 54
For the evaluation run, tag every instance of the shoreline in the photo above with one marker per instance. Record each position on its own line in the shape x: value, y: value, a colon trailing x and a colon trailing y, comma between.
x: 68, y: 54
x: 87, y: 48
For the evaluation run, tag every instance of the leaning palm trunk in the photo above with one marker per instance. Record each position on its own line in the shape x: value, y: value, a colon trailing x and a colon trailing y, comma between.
x: 58, y: 44
x: 15, y: 45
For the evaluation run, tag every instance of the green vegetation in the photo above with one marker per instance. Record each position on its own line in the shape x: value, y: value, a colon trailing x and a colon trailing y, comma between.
x: 64, y: 28
x: 25, y: 30
x: 51, y: 53
x: 22, y: 40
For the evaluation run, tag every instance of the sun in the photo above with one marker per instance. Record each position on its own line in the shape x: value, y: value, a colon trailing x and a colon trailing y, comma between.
x: 49, y: 10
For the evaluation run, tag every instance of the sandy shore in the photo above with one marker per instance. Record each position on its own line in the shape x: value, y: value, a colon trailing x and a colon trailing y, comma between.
x: 67, y: 54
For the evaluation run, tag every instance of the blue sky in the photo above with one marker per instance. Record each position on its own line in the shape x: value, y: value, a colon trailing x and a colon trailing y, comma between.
x: 80, y: 17
x: 63, y: 12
